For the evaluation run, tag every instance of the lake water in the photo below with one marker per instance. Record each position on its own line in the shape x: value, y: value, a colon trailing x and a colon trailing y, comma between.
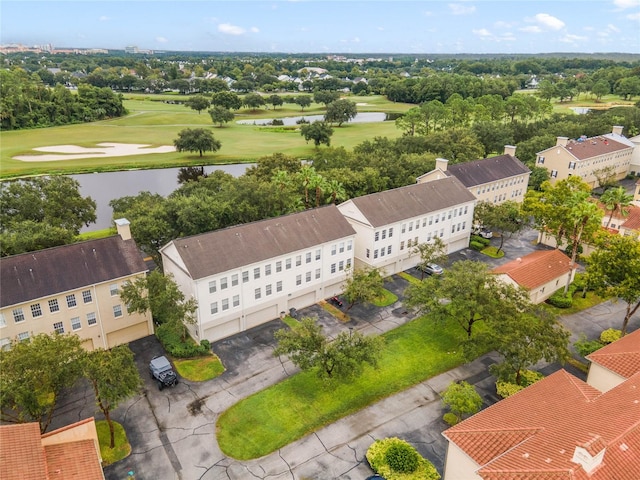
x: 365, y: 117
x: 107, y: 186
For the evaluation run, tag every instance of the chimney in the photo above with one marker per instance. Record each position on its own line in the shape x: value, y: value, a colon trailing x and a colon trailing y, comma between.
x: 441, y: 163
x: 510, y: 150
x: 562, y: 141
x: 122, y: 224
x: 590, y: 454
x: 617, y: 130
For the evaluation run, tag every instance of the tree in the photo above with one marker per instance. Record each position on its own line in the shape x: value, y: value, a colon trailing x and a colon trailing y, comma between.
x: 410, y: 121
x: 363, y: 286
x: 342, y: 358
x: 614, y: 269
x: 340, y: 111
x: 303, y: 101
x: 228, y: 100
x: 196, y: 140
x: 190, y: 174
x: 275, y: 100
x: 29, y: 236
x: 325, y: 97
x: 600, y: 89
x: 114, y: 377
x: 266, y: 167
x: 33, y: 373
x: 505, y: 218
x: 253, y: 101
x: 606, y: 177
x: 220, y: 115
x: 198, y: 103
x: 319, y: 132
x: 432, y: 252
x: 614, y: 200
x: 462, y: 399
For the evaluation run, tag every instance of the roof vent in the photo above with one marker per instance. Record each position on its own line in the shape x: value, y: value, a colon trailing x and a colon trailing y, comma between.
x: 589, y: 455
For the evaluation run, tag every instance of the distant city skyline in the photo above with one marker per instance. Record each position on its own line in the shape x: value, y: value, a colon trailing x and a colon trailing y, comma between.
x: 328, y: 26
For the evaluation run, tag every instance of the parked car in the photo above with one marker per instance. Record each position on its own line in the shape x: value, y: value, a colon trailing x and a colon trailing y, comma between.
x: 482, y: 232
x: 161, y: 370
x: 336, y: 301
x: 431, y: 269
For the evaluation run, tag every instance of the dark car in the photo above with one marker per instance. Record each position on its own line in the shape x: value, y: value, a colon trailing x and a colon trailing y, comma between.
x: 336, y: 301
x: 161, y: 370
x: 375, y: 477
x: 431, y: 269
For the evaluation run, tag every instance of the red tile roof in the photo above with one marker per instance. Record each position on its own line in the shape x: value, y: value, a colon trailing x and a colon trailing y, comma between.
x: 21, y: 452
x: 621, y: 357
x: 73, y: 461
x: 533, y: 434
x: 537, y: 268
x: 591, y: 147
x: 633, y: 218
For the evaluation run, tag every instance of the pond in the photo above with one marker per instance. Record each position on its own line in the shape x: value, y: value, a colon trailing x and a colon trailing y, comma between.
x: 365, y: 117
x: 106, y: 186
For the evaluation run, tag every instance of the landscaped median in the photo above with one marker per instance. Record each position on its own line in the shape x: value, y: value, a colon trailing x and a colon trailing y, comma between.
x: 287, y: 411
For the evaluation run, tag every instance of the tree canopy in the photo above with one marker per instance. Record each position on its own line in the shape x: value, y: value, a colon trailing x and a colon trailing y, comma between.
x: 363, y: 285
x: 196, y: 140
x: 340, y: 111
x: 319, y: 132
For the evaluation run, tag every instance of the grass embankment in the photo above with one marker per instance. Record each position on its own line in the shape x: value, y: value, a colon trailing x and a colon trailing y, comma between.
x: 122, y: 447
x: 276, y: 416
x: 155, y: 124
x: 199, y: 369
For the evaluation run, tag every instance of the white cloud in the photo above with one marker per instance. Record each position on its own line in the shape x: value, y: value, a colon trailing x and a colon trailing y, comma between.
x: 460, y: 9
x: 569, y: 38
x: 531, y: 29
x: 549, y: 21
x: 483, y: 32
x: 380, y: 29
x: 624, y: 4
x: 104, y: 18
x: 634, y: 16
x: 161, y: 39
x: 230, y: 29
x: 427, y: 13
x: 356, y: 40
x: 254, y: 30
x: 503, y: 24
x: 613, y: 28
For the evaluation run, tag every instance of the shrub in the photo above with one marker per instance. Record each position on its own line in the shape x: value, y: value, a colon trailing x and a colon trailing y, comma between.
x: 277, y: 122
x: 584, y: 347
x: 561, y: 300
x: 610, y: 335
x: 476, y: 246
x: 450, y: 418
x: 484, y: 241
x: 206, y: 344
x: 506, y: 389
x: 529, y: 377
x: 402, y: 458
x: 377, y: 457
x: 301, y: 121
x: 175, y: 346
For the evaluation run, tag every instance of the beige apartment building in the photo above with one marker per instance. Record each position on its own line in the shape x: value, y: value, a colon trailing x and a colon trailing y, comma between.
x: 583, y: 157
x: 73, y: 289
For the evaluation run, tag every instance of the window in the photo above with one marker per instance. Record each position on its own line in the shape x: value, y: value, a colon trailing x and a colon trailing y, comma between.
x: 91, y: 318
x: 298, y: 279
x: 382, y: 250
x: 375, y: 253
x: 267, y: 290
x: 214, y: 308
x: 409, y: 243
x: 18, y: 315
x: 71, y: 300
x: 368, y: 253
x: 430, y: 220
x: 245, y: 277
x: 58, y: 327
x: 36, y: 310
x: 376, y: 236
x: 554, y: 173
x: 279, y: 286
x: 23, y: 336
x: 333, y: 268
x: 449, y: 215
x: 441, y: 232
x: 417, y: 224
x: 333, y: 249
x: 415, y: 241
x: 256, y: 273
x: 404, y: 228
x: 53, y: 305
x: 298, y: 260
x: 429, y: 237
x: 350, y: 245
x: 424, y: 222
x: 317, y: 273
x: 307, y: 257
x: 389, y: 250
x: 341, y: 249
x: 384, y: 233
x: 279, y: 266
x: 267, y: 269
x: 410, y: 226
x: 234, y: 279
x: 287, y: 263
x: 307, y: 277
x: 236, y: 300
x: 390, y: 232
x: 86, y: 296
x: 75, y: 323
x: 3, y: 322
x: 341, y: 265
x: 348, y: 262
x: 5, y: 343
x: 113, y: 289
x: 402, y: 245
x: 117, y: 311
x: 453, y: 228
x: 465, y: 208
x: 437, y: 218
x: 318, y: 254
x: 223, y: 283
x: 225, y: 304
x: 540, y: 159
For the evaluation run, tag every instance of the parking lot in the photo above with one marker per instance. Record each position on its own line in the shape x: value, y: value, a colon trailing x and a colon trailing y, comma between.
x: 172, y: 432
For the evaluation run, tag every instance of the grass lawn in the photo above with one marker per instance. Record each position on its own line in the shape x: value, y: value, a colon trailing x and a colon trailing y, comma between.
x: 409, y: 278
x: 336, y: 312
x: 387, y: 298
x: 492, y: 252
x: 289, y: 410
x: 199, y: 369
x: 122, y: 448
x: 94, y: 235
x: 578, y: 304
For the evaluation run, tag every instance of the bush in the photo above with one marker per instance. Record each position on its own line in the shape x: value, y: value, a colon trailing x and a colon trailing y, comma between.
x: 506, y: 389
x: 277, y: 122
x: 206, y: 344
x: 584, y: 347
x: 476, y: 246
x: 484, y: 241
x: 508, y: 386
x: 301, y: 121
x: 529, y: 377
x: 610, y: 335
x: 173, y: 344
x: 377, y: 456
x: 561, y: 300
x: 402, y: 458
x: 450, y: 418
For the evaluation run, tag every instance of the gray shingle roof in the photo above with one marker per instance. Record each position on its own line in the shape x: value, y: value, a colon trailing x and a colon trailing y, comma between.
x: 487, y: 170
x: 391, y: 206
x: 54, y: 270
x: 234, y: 247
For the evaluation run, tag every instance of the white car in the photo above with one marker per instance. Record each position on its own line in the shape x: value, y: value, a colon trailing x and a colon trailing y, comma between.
x: 482, y: 232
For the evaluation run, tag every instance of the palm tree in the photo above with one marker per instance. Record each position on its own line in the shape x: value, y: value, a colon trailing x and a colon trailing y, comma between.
x: 337, y: 191
x: 307, y: 175
x: 616, y: 199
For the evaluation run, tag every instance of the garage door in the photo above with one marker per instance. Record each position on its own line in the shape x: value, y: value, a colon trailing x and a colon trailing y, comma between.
x: 88, y: 344
x: 334, y: 289
x: 222, y: 331
x: 128, y: 334
x: 261, y: 316
x: 303, y: 300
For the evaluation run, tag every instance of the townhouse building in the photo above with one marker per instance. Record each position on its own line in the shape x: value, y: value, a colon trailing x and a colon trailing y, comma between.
x: 73, y: 289
x: 389, y: 224
x: 625, y: 222
x: 585, y: 157
x: 493, y: 179
x: 249, y: 274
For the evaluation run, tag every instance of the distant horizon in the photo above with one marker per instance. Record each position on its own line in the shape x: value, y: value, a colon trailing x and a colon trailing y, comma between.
x: 322, y: 27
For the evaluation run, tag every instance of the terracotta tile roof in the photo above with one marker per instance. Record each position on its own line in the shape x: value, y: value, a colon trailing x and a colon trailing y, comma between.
x: 257, y: 241
x: 621, y: 357
x: 21, y: 453
x: 398, y: 204
x: 537, y: 268
x: 592, y: 147
x: 551, y: 418
x: 73, y: 461
x: 633, y: 218
x: 54, y: 270
x: 487, y: 170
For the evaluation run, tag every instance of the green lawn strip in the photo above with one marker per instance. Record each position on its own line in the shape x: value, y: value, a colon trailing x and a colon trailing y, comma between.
x: 387, y: 298
x: 409, y: 278
x: 122, y: 447
x: 199, y: 369
x: 492, y: 252
x: 335, y: 312
x: 289, y: 410
x: 289, y: 320
x: 94, y: 235
x: 578, y: 304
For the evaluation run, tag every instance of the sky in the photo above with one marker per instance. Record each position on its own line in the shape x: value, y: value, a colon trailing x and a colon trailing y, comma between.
x: 328, y: 26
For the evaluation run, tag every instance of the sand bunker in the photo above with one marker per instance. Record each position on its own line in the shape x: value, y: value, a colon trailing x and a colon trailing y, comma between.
x: 71, y: 152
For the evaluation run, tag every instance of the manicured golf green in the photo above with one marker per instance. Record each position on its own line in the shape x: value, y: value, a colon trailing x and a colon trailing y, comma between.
x: 156, y: 123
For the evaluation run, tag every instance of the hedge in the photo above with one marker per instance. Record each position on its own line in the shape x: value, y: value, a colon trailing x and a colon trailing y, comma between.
x: 383, y: 453
x: 176, y: 347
